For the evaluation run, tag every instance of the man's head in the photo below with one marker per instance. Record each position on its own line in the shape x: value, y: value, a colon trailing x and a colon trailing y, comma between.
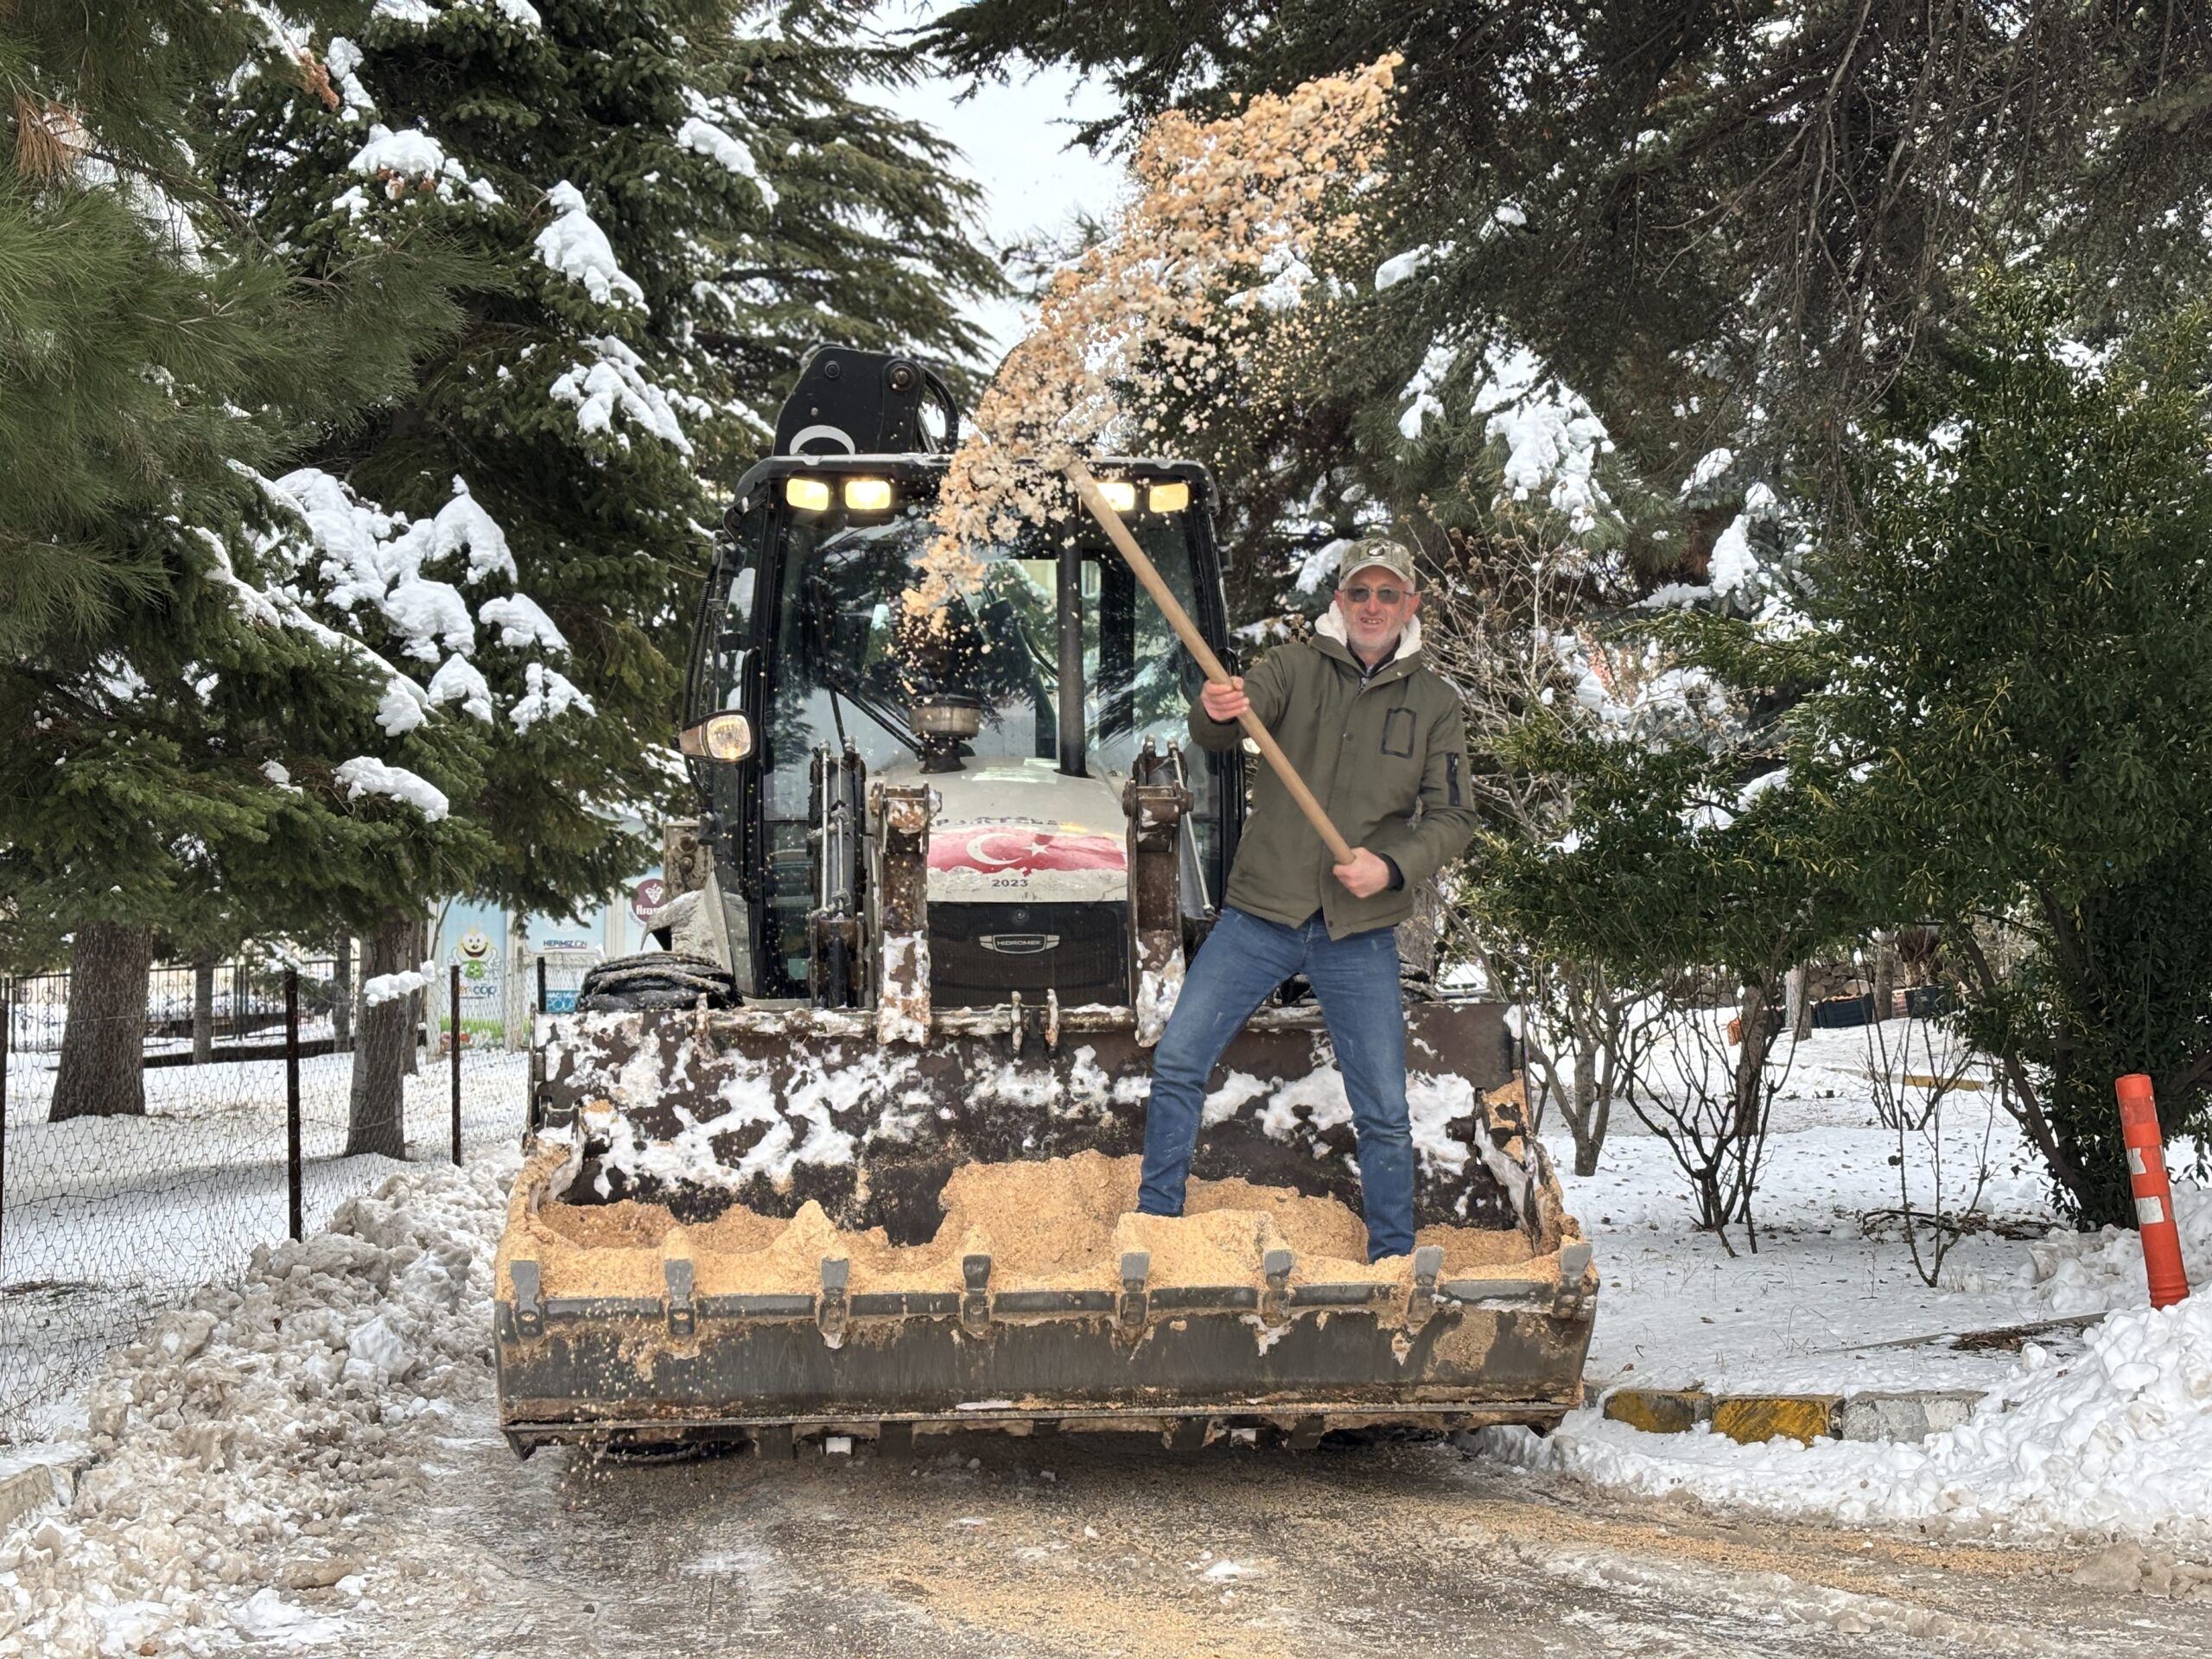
x: 1374, y: 593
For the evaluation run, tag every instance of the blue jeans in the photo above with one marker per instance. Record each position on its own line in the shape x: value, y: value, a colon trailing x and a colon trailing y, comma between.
x: 1357, y: 980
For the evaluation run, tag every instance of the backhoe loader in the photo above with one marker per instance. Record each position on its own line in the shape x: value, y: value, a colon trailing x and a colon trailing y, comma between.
x: 854, y: 1154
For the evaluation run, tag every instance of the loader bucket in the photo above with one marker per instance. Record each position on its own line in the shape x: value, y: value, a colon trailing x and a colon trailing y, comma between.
x: 749, y: 1223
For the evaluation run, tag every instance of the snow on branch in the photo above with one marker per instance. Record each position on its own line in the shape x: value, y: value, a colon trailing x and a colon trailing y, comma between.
x: 422, y: 14
x: 412, y: 160
x: 617, y: 382
x: 459, y: 681
x: 366, y: 775
x: 575, y: 246
x: 463, y: 526
x: 546, y: 694
x: 1553, y: 438
x: 702, y: 134
x: 390, y: 988
x: 521, y: 623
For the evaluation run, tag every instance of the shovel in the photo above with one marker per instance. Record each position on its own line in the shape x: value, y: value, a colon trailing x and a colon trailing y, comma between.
x: 1086, y: 489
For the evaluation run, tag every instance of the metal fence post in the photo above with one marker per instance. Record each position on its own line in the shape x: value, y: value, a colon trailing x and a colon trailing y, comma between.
x: 541, y: 982
x: 453, y: 1004
x: 292, y: 1181
x: 7, y: 1029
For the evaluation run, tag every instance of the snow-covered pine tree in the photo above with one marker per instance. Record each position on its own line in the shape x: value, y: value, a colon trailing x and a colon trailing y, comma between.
x: 151, y: 358
x: 665, y: 205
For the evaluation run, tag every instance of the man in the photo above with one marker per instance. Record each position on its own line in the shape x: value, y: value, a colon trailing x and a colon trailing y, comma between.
x: 1376, y: 734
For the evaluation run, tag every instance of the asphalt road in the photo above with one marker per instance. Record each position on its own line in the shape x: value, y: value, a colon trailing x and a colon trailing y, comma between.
x: 1093, y: 1546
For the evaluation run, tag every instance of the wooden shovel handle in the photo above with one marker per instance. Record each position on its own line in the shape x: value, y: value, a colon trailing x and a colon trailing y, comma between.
x: 1086, y: 489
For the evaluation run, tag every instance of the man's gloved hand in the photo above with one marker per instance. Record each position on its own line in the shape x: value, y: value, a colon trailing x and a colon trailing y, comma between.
x: 1366, y: 875
x: 1224, y: 703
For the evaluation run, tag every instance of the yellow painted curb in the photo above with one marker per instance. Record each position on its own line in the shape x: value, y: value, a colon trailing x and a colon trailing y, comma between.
x: 1751, y: 1418
x: 1659, y: 1411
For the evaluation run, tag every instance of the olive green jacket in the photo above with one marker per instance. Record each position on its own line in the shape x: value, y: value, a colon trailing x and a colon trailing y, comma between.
x: 1388, y: 759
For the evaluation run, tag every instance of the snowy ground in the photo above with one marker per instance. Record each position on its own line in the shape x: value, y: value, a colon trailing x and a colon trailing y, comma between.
x: 1822, y: 1307
x: 305, y: 1455
x: 2105, y: 1430
x: 107, y: 1221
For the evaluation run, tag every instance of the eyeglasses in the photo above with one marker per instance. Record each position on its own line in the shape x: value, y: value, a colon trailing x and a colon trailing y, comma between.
x: 1380, y: 595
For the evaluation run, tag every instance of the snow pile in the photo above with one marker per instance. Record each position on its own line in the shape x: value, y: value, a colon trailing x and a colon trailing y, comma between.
x: 575, y: 246
x: 2088, y: 1272
x: 2117, y: 1443
x: 244, y: 1439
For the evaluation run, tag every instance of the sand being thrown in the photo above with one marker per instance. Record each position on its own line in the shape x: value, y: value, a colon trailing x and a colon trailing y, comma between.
x: 1060, y: 1224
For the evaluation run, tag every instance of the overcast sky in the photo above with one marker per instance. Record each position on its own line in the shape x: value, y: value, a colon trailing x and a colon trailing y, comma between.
x: 1018, y: 143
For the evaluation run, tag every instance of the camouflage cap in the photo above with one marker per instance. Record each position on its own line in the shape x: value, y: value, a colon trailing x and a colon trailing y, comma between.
x: 1374, y: 549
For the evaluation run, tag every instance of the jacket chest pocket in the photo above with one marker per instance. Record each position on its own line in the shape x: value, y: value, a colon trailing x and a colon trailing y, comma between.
x: 1398, y: 732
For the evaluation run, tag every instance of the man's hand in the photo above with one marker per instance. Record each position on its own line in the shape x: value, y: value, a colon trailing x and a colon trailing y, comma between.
x: 1224, y: 703
x: 1365, y: 876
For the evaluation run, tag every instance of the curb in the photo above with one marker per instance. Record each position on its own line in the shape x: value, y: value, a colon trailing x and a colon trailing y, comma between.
x: 1748, y: 1419
x: 33, y: 1487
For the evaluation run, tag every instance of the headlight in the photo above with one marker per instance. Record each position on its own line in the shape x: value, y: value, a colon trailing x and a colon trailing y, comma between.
x: 1168, y: 497
x: 1120, y: 493
x: 868, y: 495
x: 807, y: 494
x: 721, y: 737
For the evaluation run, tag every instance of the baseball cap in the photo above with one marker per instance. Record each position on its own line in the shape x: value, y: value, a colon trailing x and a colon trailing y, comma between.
x: 1393, y: 557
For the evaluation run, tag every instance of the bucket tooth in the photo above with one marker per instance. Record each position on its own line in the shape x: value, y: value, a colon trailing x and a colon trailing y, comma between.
x: 529, y: 1313
x: 976, y: 1301
x: 1137, y: 1267
x: 1429, y: 1262
x: 1573, y: 1293
x: 676, y: 1272
x: 1185, y: 1434
x: 837, y: 1275
x: 1276, y: 1266
x: 1305, y: 1434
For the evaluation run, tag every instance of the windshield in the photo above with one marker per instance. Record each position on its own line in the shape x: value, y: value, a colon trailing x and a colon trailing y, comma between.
x: 841, y: 669
x: 844, y: 668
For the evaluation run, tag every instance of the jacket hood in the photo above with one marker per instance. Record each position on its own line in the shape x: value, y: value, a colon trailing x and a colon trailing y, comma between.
x: 1332, y: 627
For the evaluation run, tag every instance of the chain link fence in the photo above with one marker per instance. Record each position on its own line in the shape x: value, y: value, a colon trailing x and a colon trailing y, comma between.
x: 109, y: 1218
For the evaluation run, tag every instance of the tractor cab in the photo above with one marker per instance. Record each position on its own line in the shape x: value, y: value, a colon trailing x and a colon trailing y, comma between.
x: 1026, y: 706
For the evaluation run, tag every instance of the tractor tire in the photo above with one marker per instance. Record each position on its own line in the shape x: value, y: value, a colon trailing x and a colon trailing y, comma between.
x: 655, y: 979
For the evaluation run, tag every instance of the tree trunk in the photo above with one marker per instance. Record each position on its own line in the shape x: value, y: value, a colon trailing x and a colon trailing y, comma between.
x: 1886, y: 978
x: 376, y: 1115
x: 103, y: 1044
x: 1417, y: 936
x: 203, y: 1013
x: 341, y: 996
x: 1797, y: 993
x: 1588, y: 1129
x: 418, y: 946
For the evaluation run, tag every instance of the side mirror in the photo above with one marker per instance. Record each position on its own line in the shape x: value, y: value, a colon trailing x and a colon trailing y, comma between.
x: 727, y: 737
